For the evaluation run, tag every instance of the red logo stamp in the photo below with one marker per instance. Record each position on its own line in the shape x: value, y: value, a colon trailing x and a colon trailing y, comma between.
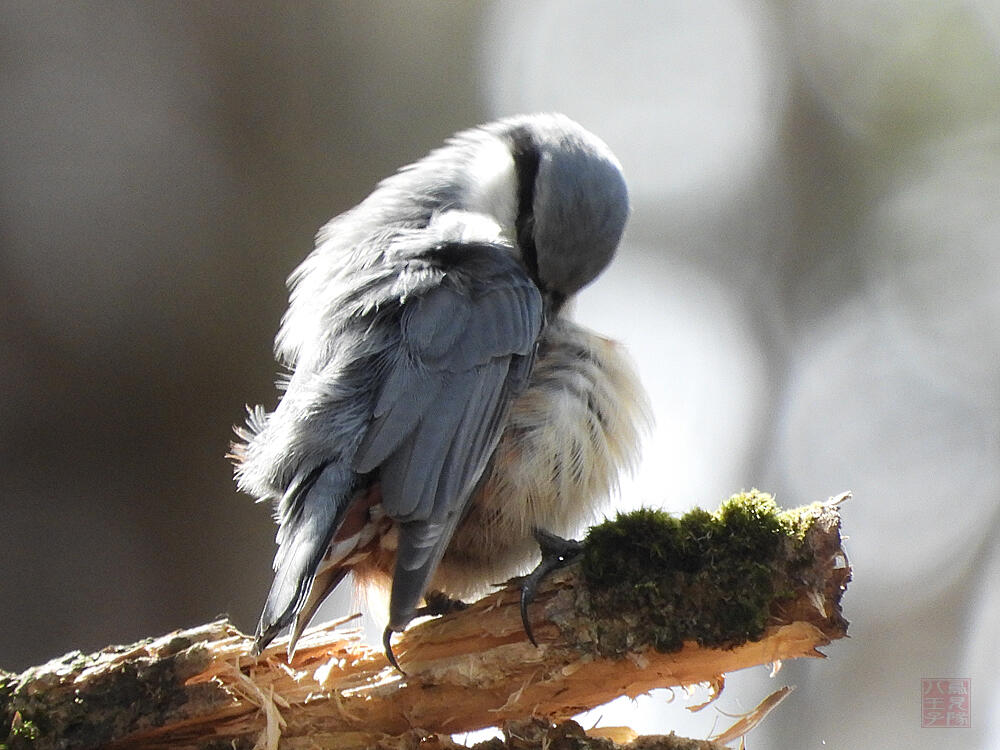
x: 945, y: 702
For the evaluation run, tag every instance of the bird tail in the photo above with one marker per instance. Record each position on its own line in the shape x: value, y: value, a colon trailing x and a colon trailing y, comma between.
x: 309, y: 514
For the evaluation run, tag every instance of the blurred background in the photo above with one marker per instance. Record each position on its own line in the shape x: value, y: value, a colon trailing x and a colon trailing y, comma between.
x: 810, y: 285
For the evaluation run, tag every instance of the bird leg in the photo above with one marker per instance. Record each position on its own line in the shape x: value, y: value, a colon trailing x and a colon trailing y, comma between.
x: 556, y: 553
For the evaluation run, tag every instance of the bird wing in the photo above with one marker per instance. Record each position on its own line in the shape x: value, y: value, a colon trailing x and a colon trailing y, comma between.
x: 311, y: 509
x: 466, y: 346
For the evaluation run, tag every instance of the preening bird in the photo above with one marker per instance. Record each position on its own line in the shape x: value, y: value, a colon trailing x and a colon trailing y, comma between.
x: 440, y: 405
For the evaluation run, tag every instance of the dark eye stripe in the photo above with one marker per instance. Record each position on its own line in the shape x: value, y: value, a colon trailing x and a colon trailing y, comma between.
x: 526, y: 160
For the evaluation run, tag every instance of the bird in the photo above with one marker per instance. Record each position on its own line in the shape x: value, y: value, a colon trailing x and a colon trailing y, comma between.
x: 441, y: 414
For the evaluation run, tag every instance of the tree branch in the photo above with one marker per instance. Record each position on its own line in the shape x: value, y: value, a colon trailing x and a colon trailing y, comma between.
x: 200, y: 688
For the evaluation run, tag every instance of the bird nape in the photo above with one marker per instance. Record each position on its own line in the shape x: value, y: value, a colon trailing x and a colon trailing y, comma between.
x: 441, y: 407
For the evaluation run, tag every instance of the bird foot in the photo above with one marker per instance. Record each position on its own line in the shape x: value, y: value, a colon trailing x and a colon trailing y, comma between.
x: 556, y: 553
x: 438, y: 603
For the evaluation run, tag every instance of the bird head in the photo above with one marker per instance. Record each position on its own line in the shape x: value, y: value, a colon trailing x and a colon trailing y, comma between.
x: 572, y: 202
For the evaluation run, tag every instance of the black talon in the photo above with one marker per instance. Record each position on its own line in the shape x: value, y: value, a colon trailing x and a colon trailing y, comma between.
x: 437, y: 603
x: 556, y: 553
x: 387, y: 643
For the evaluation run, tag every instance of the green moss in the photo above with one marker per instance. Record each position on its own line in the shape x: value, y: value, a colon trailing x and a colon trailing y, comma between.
x: 26, y: 730
x: 704, y: 577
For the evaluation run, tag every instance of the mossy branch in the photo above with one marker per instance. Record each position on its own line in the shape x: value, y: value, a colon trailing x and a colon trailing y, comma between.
x: 656, y: 602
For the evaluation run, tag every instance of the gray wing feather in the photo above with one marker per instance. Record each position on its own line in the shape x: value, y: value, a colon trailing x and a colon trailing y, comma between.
x: 409, y: 477
x: 433, y: 324
x: 446, y: 331
x: 442, y: 404
x: 477, y: 433
x: 434, y: 463
x: 396, y: 417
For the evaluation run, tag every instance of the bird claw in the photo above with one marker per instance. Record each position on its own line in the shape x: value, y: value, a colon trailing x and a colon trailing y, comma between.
x: 437, y: 603
x: 556, y: 553
x: 387, y: 643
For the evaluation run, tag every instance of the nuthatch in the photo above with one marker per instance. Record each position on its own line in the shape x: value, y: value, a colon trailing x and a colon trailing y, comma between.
x: 441, y: 407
